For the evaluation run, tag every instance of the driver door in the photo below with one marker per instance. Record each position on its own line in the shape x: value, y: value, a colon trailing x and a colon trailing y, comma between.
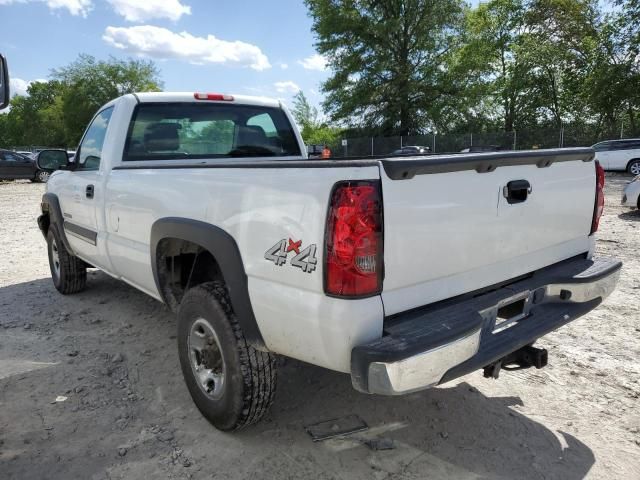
x: 81, y: 193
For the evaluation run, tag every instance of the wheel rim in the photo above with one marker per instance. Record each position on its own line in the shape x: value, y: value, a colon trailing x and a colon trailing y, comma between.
x: 55, y: 258
x: 205, y: 357
x: 43, y: 176
x: 635, y: 168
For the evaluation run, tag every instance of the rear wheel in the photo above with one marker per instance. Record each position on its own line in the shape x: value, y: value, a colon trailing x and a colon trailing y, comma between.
x: 634, y: 167
x: 231, y: 383
x: 42, y: 176
x: 68, y: 272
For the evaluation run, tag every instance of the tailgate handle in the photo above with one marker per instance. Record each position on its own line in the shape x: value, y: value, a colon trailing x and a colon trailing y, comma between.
x: 517, y: 191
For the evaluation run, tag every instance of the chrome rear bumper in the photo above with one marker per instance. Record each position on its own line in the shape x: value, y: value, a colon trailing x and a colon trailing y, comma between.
x: 422, y: 349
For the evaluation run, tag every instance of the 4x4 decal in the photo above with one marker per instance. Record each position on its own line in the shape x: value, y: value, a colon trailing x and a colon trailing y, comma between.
x: 304, y: 259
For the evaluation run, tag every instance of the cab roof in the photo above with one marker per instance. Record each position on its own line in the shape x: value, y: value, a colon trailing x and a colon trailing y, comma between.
x: 151, y: 97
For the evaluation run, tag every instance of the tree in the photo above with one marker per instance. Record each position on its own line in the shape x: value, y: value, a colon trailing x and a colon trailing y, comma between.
x: 55, y: 113
x: 612, y: 83
x: 35, y: 119
x: 305, y: 114
x: 530, y: 57
x: 313, y: 131
x: 91, y: 83
x: 387, y: 58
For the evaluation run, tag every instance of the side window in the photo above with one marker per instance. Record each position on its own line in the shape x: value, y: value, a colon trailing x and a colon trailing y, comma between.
x: 629, y: 145
x: 90, y: 150
x: 265, y: 122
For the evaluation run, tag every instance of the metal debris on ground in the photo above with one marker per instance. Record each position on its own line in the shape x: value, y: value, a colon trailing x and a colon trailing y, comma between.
x: 380, y: 444
x: 336, y: 428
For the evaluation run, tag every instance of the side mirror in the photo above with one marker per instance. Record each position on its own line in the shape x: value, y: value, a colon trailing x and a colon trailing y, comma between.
x: 52, y: 160
x: 4, y: 83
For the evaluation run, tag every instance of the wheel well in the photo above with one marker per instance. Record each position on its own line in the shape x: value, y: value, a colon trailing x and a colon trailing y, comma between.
x: 181, y: 265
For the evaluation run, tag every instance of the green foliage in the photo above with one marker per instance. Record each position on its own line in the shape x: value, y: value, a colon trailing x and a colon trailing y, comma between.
x: 304, y: 113
x: 91, y: 83
x: 55, y: 113
x: 405, y: 66
x: 388, y: 60
x: 313, y: 131
x: 36, y: 118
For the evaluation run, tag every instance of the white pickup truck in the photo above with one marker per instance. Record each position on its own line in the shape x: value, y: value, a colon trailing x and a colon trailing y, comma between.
x: 403, y: 272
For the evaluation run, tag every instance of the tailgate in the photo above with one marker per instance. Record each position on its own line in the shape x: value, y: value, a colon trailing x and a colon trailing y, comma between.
x: 449, y: 228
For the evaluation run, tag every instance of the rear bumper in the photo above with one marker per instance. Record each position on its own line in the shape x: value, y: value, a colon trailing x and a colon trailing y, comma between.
x: 435, y: 344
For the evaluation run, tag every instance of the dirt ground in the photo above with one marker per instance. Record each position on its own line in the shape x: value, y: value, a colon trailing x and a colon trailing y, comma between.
x: 109, y: 356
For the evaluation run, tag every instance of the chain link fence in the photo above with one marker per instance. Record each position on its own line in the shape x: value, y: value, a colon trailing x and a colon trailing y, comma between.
x: 457, y: 142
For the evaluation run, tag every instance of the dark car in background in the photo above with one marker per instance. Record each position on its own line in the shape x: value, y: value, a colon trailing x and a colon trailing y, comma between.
x: 483, y: 149
x: 411, y: 150
x: 315, y: 151
x: 14, y: 166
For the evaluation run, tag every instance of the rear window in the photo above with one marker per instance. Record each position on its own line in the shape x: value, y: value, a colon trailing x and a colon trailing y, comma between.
x: 171, y: 131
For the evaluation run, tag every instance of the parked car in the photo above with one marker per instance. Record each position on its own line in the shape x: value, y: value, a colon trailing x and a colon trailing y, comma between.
x: 619, y: 155
x: 631, y: 193
x: 411, y: 150
x: 483, y: 148
x: 14, y: 166
x: 315, y: 151
x: 263, y: 251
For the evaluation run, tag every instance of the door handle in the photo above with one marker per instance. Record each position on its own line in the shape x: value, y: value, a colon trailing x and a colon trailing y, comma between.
x: 517, y: 191
x: 89, y: 191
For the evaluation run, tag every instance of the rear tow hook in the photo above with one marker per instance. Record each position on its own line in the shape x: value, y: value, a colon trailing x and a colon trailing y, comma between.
x: 520, y: 359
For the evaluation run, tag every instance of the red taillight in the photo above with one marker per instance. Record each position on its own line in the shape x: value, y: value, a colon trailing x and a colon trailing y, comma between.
x: 213, y: 96
x: 353, y: 243
x: 599, y: 203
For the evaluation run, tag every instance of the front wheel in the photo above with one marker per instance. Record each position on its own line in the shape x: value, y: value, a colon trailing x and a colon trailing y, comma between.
x: 68, y: 272
x: 231, y: 383
x: 634, y: 167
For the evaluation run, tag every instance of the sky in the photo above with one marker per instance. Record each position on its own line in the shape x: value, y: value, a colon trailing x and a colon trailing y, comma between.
x: 252, y: 47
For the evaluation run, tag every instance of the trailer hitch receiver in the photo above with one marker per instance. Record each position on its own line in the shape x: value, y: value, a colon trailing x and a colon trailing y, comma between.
x: 526, y: 357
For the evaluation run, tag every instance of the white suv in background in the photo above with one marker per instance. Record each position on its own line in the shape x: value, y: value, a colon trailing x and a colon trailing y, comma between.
x: 619, y: 155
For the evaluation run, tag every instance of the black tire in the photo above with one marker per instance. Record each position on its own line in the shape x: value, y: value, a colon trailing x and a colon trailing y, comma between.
x: 68, y: 272
x: 248, y: 380
x: 634, y: 167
